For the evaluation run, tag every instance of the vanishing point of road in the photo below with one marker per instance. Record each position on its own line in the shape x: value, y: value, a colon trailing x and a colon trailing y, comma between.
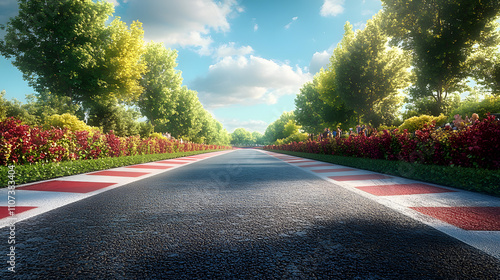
x: 239, y: 215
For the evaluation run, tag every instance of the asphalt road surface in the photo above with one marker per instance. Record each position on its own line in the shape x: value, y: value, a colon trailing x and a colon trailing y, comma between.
x: 241, y: 215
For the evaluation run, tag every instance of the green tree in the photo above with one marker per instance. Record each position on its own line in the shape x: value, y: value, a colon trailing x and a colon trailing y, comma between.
x: 258, y: 138
x: 185, y: 122
x: 15, y: 108
x: 241, y: 136
x: 161, y: 84
x: 66, y: 48
x: 45, y: 104
x: 309, y: 109
x: 276, y: 130
x: 368, y: 74
x: 442, y: 36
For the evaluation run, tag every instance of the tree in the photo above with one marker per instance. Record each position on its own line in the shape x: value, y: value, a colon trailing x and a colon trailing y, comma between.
x: 442, y: 36
x: 66, y: 48
x: 241, y: 136
x: 185, y: 122
x: 309, y: 108
x: 258, y: 138
x: 45, y: 104
x: 122, y: 120
x: 368, y: 74
x: 161, y: 84
x: 276, y: 130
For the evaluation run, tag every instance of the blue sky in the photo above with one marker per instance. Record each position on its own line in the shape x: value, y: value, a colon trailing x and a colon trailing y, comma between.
x: 247, y: 59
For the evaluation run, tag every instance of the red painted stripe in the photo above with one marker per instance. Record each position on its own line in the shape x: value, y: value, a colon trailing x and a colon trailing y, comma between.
x: 403, y: 189
x: 170, y: 162
x: 334, y: 170
x: 318, y: 165
x: 66, y: 186
x: 119, y: 173
x: 359, y: 177
x: 149, y: 166
x: 300, y: 161
x: 188, y: 159
x: 4, y: 210
x: 468, y: 218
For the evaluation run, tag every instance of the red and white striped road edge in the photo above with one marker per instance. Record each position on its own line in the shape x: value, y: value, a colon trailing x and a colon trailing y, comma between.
x: 470, y: 217
x: 33, y: 199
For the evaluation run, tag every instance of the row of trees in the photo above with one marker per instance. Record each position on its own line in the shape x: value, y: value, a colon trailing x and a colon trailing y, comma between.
x: 421, y: 54
x: 102, y: 71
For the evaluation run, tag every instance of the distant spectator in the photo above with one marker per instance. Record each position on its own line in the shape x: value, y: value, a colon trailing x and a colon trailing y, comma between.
x: 325, y: 133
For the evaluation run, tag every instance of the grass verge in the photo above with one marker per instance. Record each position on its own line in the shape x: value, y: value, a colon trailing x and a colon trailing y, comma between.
x: 472, y: 179
x: 38, y: 172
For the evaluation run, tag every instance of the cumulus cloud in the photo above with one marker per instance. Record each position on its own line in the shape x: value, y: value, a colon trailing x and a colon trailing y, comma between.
x: 230, y: 50
x: 332, y: 8
x: 248, y: 80
x: 256, y: 27
x: 186, y: 23
x: 319, y: 60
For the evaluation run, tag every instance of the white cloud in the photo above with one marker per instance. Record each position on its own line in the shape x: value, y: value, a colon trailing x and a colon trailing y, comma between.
x: 186, y: 23
x: 319, y: 60
x: 114, y: 2
x: 332, y: 8
x: 230, y: 50
x: 290, y: 24
x: 249, y: 81
x: 256, y: 27
x: 250, y: 125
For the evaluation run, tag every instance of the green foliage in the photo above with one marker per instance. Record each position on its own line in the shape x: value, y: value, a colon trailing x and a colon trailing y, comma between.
x: 38, y: 172
x: 473, y: 179
x: 295, y: 137
x: 488, y: 105
x: 444, y: 38
x: 241, y: 137
x: 157, y: 135
x: 121, y: 120
x: 276, y: 130
x: 309, y: 108
x: 145, y: 129
x: 68, y: 121
x: 417, y: 123
x: 185, y: 123
x: 161, y: 84
x: 368, y: 74
x: 66, y: 48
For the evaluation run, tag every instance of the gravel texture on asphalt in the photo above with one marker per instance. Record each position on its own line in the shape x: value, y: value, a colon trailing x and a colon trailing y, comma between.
x: 241, y: 215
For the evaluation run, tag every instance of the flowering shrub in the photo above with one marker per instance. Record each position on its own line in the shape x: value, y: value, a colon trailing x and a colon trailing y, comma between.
x: 477, y: 145
x: 22, y: 144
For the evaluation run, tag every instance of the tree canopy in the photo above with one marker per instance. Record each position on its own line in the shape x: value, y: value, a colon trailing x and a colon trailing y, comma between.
x: 442, y: 37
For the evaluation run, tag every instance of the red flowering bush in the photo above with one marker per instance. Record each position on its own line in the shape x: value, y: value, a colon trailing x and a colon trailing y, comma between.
x: 475, y: 146
x: 22, y: 144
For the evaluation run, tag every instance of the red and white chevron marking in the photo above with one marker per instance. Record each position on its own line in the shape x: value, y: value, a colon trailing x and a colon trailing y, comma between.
x: 33, y: 199
x: 470, y: 217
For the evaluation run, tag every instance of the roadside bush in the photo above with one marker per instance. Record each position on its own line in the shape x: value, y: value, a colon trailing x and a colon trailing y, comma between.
x: 416, y: 123
x: 23, y: 144
x: 67, y: 121
x: 475, y: 146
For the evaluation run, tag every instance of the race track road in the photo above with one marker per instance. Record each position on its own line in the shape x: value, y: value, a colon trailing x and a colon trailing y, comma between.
x: 239, y: 215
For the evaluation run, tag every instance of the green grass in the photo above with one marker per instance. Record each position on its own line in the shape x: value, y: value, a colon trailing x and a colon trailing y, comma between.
x: 472, y: 179
x: 37, y: 172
